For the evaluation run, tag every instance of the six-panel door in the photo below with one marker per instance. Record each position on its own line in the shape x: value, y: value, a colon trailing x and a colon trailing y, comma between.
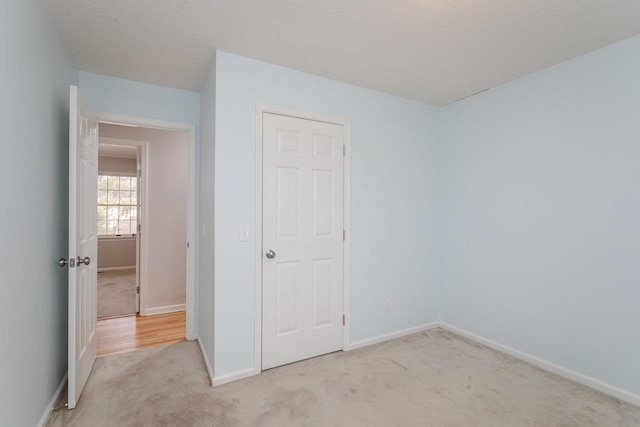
x: 303, y: 210
x: 83, y: 244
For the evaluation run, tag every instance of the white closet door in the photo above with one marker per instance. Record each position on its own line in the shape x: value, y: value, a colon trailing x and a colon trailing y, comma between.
x: 303, y: 232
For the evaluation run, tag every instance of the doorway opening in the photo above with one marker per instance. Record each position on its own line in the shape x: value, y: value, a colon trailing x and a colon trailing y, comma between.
x: 145, y: 223
x: 118, y: 215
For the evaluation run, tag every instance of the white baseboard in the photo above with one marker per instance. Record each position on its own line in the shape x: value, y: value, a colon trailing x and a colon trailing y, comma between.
x: 206, y: 359
x: 152, y: 311
x: 597, y: 385
x: 234, y: 376
x: 393, y: 335
x: 249, y: 372
x: 103, y: 269
x: 52, y: 402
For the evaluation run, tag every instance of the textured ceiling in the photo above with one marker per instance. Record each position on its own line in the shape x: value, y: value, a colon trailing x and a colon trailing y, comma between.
x: 435, y: 51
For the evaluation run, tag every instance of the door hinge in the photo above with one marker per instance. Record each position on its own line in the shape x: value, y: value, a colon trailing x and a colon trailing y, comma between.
x: 344, y: 151
x: 344, y: 320
x: 344, y: 234
x: 137, y: 289
x: 139, y: 228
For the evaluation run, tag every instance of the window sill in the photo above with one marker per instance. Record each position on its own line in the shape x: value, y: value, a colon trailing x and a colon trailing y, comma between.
x: 125, y: 237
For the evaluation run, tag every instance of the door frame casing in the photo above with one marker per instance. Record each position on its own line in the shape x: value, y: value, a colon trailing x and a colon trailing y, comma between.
x: 262, y: 109
x: 190, y: 129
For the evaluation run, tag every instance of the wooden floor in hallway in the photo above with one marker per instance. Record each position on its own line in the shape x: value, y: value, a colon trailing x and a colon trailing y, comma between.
x: 128, y: 333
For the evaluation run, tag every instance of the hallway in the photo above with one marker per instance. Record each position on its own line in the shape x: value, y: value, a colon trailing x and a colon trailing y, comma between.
x: 123, y: 334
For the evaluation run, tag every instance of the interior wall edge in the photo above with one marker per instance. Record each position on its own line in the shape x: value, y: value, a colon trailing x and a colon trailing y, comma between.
x: 205, y: 359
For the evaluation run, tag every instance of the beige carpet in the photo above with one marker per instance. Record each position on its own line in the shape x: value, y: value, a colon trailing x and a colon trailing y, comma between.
x: 434, y: 378
x: 116, y: 293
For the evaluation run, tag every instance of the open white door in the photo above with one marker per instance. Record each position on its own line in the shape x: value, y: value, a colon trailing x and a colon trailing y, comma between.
x: 83, y: 243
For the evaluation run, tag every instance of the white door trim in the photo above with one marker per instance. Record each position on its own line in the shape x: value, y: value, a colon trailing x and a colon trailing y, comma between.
x: 346, y: 124
x: 191, y: 207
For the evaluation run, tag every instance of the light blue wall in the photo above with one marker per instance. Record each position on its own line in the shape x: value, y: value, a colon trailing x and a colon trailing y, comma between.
x: 206, y: 229
x: 113, y: 95
x: 392, y: 200
x: 540, y: 192
x: 35, y: 74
